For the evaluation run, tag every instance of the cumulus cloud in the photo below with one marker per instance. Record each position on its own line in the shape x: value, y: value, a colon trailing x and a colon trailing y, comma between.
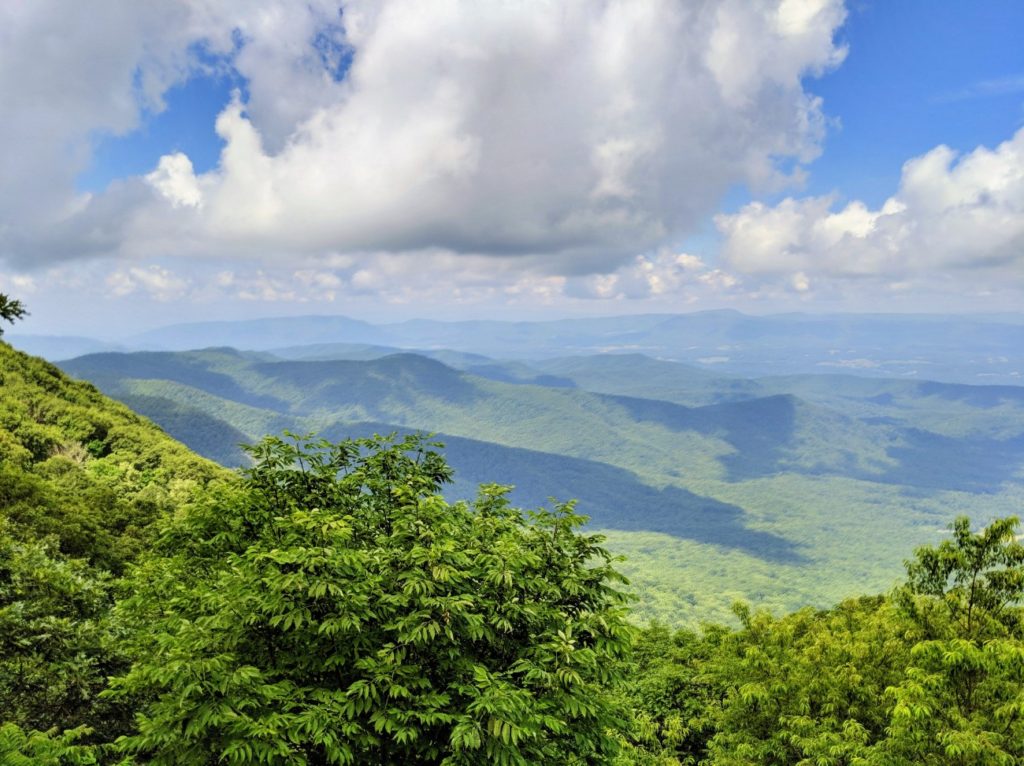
x: 582, y: 132
x: 663, y: 274
x: 591, y: 129
x: 73, y: 73
x: 69, y: 71
x: 950, y: 212
x: 159, y: 283
x: 176, y: 181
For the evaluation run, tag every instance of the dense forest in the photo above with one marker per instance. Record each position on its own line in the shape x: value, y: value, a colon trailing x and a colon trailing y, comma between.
x: 327, y: 605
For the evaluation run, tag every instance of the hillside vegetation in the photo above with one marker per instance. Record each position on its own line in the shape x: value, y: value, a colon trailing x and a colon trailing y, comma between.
x: 82, y: 470
x: 330, y: 606
x: 83, y: 481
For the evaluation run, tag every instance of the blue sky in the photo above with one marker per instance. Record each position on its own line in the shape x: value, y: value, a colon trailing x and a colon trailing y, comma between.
x: 184, y: 125
x: 919, y: 73
x: 398, y: 159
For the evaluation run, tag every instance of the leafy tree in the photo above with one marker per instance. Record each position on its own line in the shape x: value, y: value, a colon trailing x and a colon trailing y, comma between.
x: 10, y: 310
x: 49, y: 748
x: 57, y: 644
x: 338, y: 610
x: 962, y: 700
x: 970, y: 586
x: 933, y: 674
x: 674, y: 695
x: 81, y: 480
x: 806, y: 688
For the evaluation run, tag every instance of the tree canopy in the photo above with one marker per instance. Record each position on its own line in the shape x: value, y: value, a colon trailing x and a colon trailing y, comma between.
x: 340, y: 610
x: 933, y: 674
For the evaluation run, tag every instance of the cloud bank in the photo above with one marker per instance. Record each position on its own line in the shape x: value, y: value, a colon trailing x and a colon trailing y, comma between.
x: 950, y: 214
x: 572, y: 135
x: 526, y: 153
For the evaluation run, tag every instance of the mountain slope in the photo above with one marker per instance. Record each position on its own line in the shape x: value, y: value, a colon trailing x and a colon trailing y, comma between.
x: 83, y: 468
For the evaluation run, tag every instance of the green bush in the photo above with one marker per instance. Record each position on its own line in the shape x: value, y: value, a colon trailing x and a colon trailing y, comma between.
x: 339, y: 610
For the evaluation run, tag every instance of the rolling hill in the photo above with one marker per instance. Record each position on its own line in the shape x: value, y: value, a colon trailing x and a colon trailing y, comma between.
x: 775, y: 492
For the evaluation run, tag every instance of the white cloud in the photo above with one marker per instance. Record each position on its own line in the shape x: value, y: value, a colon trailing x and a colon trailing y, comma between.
x: 580, y: 128
x: 72, y: 73
x: 949, y: 213
x: 159, y: 283
x: 999, y: 86
x: 581, y: 131
x: 175, y: 179
x: 665, y: 274
x: 17, y: 285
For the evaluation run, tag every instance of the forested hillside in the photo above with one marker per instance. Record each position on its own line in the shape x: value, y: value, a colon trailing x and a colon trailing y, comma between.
x: 83, y: 480
x: 328, y: 605
x: 82, y: 469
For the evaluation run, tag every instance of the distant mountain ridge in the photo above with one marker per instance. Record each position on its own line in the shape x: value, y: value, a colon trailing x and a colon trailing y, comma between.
x: 963, y: 349
x: 414, y: 391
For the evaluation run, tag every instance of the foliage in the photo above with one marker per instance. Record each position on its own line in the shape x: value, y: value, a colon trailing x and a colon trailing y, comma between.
x: 962, y: 698
x: 673, y: 695
x: 11, y: 310
x: 45, y: 748
x: 339, y: 610
x: 84, y: 469
x: 57, y: 640
x: 806, y: 688
x: 932, y: 675
x: 81, y: 480
x: 330, y: 606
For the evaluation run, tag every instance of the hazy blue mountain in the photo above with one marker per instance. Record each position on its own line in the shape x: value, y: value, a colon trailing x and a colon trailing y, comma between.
x: 57, y: 347
x: 912, y: 433
x: 642, y: 376
x: 964, y: 349
x: 259, y: 334
x: 753, y: 437
x: 478, y: 364
x: 330, y: 351
x: 950, y: 409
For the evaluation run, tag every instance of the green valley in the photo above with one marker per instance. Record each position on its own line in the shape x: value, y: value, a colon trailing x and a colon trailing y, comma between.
x: 327, y: 604
x: 778, y: 491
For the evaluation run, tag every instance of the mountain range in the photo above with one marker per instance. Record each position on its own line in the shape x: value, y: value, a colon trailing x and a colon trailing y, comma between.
x: 984, y: 349
x: 781, y: 490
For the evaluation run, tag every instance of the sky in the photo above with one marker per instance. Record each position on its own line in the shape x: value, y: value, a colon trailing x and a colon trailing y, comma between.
x: 181, y: 160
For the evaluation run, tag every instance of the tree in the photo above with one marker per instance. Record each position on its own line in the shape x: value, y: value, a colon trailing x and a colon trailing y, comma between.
x: 806, y: 688
x: 962, y: 700
x: 339, y: 610
x: 55, y: 637
x: 10, y: 310
x: 674, y: 695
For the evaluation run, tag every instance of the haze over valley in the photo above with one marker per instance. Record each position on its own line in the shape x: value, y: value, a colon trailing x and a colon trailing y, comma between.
x: 802, y: 483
